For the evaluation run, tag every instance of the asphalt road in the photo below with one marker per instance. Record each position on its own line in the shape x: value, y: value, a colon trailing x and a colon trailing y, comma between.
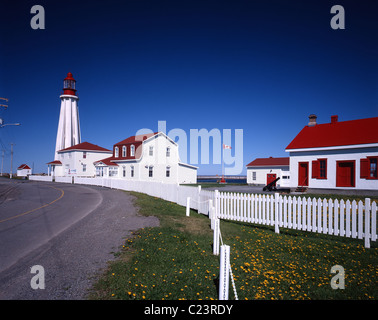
x: 69, y: 230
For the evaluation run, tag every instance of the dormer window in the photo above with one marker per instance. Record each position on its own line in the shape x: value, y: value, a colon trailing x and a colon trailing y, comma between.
x: 132, y: 150
x: 116, y: 152
x: 124, y: 151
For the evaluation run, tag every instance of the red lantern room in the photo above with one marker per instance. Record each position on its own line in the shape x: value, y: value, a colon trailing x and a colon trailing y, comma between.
x: 69, y: 84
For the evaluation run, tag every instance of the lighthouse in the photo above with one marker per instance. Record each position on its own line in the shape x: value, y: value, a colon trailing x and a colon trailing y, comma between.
x: 68, y: 133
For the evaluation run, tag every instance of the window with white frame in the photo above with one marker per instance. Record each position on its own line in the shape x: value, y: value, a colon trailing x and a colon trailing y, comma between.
x: 254, y: 175
x: 150, y: 171
x: 132, y: 172
x: 84, y: 155
x: 151, y: 152
x: 168, y: 152
x: 168, y: 172
x: 113, y: 171
x: 124, y: 151
x: 84, y: 168
x: 132, y: 150
x: 116, y: 152
x: 124, y: 171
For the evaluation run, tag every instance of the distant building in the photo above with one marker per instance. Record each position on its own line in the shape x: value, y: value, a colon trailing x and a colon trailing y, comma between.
x: 24, y: 170
x: 335, y: 155
x: 262, y: 171
x: 148, y: 157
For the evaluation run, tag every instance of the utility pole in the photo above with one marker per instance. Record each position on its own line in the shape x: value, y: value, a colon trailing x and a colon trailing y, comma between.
x: 2, y: 162
x: 2, y: 124
x: 10, y: 175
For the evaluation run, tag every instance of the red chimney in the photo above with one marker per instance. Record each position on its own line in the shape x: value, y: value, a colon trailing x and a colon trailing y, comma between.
x: 334, y: 119
x: 312, y: 120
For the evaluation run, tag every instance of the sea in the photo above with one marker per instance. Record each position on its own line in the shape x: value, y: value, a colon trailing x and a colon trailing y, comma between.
x: 228, y: 180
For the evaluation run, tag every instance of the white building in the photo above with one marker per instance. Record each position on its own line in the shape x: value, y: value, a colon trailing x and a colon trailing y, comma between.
x: 24, y: 170
x: 77, y: 160
x: 148, y: 157
x: 335, y: 155
x: 262, y: 171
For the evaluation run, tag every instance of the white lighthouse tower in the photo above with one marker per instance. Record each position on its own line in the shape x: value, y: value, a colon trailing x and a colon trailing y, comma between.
x: 68, y: 133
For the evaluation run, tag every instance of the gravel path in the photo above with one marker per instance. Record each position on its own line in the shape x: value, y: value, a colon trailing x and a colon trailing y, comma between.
x: 74, y: 258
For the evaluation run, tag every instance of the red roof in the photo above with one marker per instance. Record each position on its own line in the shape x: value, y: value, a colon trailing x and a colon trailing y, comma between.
x: 107, y: 161
x: 56, y: 162
x: 86, y: 146
x: 353, y: 132
x: 269, y: 162
x: 23, y: 166
x: 136, y: 139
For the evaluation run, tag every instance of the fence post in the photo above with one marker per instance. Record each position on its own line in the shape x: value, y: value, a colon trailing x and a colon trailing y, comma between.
x: 188, y: 206
x: 216, y: 237
x: 276, y: 213
x: 224, y: 272
x: 211, y: 214
x: 216, y: 211
x: 367, y: 222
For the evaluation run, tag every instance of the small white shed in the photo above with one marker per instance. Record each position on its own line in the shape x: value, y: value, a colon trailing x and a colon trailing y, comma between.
x: 24, y: 170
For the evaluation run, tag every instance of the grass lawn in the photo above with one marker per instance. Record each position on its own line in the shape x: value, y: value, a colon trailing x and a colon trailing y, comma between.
x: 175, y: 261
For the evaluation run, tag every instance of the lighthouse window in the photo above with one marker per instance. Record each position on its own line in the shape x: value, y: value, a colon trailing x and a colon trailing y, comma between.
x: 70, y: 84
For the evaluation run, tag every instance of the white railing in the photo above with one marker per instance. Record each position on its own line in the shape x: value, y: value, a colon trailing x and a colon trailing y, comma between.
x: 40, y: 178
x: 64, y: 179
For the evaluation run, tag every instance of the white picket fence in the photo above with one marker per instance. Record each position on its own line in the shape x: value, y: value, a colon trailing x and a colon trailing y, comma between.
x: 340, y: 218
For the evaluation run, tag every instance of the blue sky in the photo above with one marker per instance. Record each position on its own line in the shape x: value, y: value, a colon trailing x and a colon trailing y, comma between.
x: 260, y: 66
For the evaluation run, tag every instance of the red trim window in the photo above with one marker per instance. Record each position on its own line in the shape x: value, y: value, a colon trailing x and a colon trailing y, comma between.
x: 373, y: 168
x: 319, y: 169
x: 322, y: 168
x: 368, y: 168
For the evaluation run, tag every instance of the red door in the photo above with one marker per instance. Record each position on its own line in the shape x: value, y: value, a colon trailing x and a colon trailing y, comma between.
x: 345, y: 172
x: 303, y: 174
x: 270, y: 177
